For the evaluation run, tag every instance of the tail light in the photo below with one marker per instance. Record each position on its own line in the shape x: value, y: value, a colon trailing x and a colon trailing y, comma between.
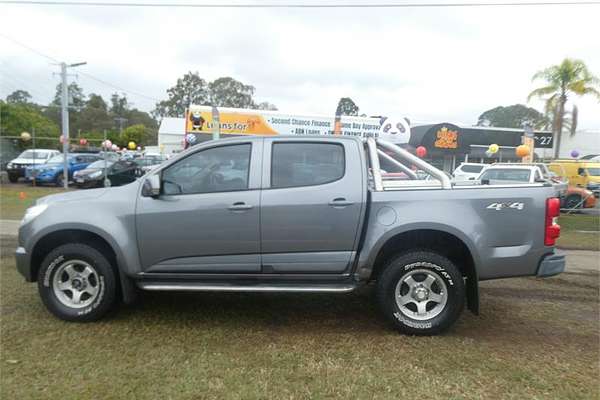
x: 552, y: 229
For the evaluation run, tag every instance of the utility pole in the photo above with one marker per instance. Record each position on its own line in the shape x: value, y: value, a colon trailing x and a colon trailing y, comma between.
x: 64, y: 105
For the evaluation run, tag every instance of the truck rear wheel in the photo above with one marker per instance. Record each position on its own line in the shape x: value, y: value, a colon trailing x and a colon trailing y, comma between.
x: 421, y: 292
x: 77, y: 283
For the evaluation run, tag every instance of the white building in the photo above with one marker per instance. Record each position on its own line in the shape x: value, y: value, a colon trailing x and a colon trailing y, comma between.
x: 170, y: 135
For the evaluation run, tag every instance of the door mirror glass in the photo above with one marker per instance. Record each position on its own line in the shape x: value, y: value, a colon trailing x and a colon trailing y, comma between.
x: 151, y: 186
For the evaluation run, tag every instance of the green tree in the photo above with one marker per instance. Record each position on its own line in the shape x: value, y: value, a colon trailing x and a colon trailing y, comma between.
x: 134, y: 133
x: 228, y: 92
x: 94, y: 117
x: 190, y: 89
x: 19, y: 97
x: 570, y: 77
x: 18, y: 118
x: 119, y: 105
x: 265, y: 105
x: 346, y: 107
x: 515, y: 116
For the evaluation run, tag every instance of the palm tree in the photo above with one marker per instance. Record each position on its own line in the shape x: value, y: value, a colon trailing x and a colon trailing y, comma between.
x: 569, y: 77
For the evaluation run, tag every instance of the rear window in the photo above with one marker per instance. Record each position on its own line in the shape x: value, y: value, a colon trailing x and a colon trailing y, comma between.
x: 306, y: 164
x: 473, y: 169
x: 518, y: 175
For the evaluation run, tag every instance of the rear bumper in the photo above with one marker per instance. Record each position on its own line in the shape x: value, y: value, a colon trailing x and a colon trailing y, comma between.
x: 24, y: 264
x: 552, y: 264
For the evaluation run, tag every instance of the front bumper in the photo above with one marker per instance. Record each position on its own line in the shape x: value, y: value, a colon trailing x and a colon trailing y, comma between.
x: 552, y: 264
x: 24, y: 264
x: 16, y: 171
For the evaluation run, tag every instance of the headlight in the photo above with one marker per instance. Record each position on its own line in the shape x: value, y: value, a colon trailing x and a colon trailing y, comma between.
x: 95, y: 175
x: 33, y: 212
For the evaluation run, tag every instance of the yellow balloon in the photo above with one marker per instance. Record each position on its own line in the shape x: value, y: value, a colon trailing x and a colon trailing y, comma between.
x: 131, y: 145
x: 25, y: 136
x: 494, y: 148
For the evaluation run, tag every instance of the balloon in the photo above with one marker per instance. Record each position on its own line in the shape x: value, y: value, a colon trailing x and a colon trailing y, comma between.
x: 139, y: 148
x: 83, y: 141
x: 574, y: 153
x: 190, y: 138
x: 62, y: 139
x: 114, y: 147
x: 489, y: 154
x: 107, y: 144
x: 421, y: 151
x: 493, y: 148
x: 522, y: 151
x: 25, y: 136
x: 131, y: 145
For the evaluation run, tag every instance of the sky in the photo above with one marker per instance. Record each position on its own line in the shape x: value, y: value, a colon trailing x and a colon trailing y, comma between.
x: 429, y: 64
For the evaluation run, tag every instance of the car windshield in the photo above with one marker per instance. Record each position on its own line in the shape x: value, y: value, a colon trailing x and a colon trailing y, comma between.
x: 100, y: 164
x: 56, y: 159
x: 593, y: 171
x: 506, y: 174
x: 34, y: 154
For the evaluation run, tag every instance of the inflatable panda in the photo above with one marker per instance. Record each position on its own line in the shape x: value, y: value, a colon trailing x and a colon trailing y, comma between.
x: 395, y: 130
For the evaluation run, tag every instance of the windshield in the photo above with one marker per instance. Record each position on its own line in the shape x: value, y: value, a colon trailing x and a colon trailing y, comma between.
x: 593, y: 171
x: 100, y: 164
x: 56, y: 159
x: 32, y: 153
x: 519, y: 175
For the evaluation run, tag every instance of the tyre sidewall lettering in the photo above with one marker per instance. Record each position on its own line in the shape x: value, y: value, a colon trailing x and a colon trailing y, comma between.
x: 51, y: 269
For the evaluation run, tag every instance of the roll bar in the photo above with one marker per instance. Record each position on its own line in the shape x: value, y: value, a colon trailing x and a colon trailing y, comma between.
x: 375, y: 147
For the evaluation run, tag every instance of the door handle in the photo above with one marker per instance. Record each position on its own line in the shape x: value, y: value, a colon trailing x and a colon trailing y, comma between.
x: 240, y: 206
x: 340, y: 202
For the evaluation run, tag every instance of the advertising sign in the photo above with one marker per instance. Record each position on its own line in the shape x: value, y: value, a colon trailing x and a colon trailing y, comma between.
x: 232, y: 121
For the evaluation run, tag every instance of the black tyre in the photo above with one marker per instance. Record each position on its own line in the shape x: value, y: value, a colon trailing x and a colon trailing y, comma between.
x: 77, y: 283
x: 13, y: 178
x: 573, y: 201
x: 421, y: 292
x: 60, y: 180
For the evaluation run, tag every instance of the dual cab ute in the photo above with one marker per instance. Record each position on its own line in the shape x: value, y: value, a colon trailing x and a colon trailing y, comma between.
x: 290, y: 214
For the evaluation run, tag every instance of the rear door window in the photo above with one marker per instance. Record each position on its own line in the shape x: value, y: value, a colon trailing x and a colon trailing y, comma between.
x: 306, y: 164
x: 472, y: 169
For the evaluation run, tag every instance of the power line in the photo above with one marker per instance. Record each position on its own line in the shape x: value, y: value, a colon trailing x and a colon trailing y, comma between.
x: 39, y: 53
x: 300, y: 5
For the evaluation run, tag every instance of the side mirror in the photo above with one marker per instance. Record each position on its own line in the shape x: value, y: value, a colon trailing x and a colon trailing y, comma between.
x: 151, y: 187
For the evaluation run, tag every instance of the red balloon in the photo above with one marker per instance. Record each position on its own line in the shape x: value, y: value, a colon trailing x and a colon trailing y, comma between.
x: 421, y: 151
x: 83, y: 141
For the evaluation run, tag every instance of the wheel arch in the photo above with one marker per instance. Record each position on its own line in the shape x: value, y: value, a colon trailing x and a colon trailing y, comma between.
x: 446, y: 242
x: 99, y: 240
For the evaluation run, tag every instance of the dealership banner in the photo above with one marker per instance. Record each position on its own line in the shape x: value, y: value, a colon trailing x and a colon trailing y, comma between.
x: 233, y: 121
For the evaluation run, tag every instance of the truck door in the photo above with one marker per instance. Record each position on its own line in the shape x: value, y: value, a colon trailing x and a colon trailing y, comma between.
x: 206, y: 219
x: 310, y: 205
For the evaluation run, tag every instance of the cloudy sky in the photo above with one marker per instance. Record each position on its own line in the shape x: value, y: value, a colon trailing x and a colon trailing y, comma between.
x: 430, y: 64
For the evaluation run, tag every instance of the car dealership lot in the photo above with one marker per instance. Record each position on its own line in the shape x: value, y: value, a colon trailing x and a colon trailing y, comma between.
x: 534, y: 338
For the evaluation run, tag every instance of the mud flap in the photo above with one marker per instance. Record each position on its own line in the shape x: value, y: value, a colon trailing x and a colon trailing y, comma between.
x: 472, y: 292
x: 128, y: 289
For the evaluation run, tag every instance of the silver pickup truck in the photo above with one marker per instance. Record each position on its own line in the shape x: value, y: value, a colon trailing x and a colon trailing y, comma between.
x: 290, y: 214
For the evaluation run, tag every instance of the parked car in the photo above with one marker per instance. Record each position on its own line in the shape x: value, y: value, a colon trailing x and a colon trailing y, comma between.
x: 578, y: 197
x: 559, y: 182
x: 16, y: 168
x: 581, y: 173
x: 148, y: 162
x: 501, y: 174
x: 289, y: 214
x: 117, y: 173
x: 52, y: 170
x: 468, y: 171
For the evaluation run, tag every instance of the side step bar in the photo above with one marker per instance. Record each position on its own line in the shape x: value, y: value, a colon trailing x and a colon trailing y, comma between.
x: 226, y: 287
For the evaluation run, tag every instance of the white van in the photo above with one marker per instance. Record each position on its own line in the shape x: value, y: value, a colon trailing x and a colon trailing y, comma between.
x: 468, y: 171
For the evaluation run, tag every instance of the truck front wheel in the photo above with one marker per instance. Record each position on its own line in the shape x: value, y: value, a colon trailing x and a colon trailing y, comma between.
x: 421, y: 292
x: 77, y: 283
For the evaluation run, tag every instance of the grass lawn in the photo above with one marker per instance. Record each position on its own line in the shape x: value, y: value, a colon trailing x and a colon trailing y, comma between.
x: 13, y: 206
x: 571, y: 236
x: 535, y: 338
